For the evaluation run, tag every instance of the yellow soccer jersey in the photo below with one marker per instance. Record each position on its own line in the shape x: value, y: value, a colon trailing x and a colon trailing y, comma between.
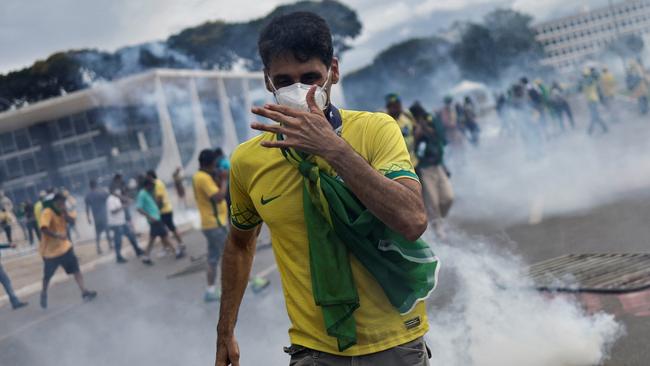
x: 406, y: 124
x: 212, y: 215
x: 161, y: 194
x: 266, y: 187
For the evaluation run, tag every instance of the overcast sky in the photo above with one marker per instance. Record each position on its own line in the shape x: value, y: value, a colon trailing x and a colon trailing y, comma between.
x: 33, y: 29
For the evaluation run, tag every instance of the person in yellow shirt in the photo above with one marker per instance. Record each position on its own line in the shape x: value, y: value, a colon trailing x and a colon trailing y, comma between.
x: 405, y: 121
x: 211, y: 197
x: 38, y: 208
x: 210, y: 200
x: 607, y: 87
x: 56, y: 249
x: 165, y: 205
x: 5, y: 223
x: 589, y: 85
x: 363, y: 149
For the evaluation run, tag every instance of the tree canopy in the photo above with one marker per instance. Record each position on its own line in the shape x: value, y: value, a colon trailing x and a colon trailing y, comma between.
x: 212, y: 45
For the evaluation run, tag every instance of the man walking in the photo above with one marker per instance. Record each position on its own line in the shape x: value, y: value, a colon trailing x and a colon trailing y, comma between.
x: 211, y: 201
x: 56, y: 248
x: 165, y: 204
x: 148, y: 207
x: 6, y: 283
x: 96, y: 203
x: 404, y: 121
x: 31, y: 223
x: 436, y: 187
x: 589, y: 85
x: 351, y: 298
x: 118, y: 225
x: 5, y: 224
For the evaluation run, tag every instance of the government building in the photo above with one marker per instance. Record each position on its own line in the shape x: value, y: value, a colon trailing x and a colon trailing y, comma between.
x: 160, y: 119
x: 570, y: 41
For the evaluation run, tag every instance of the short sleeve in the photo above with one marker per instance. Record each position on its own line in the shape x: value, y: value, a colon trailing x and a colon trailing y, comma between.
x: 207, y: 186
x: 46, y: 218
x: 139, y: 201
x: 159, y: 189
x: 387, y: 149
x: 243, y: 214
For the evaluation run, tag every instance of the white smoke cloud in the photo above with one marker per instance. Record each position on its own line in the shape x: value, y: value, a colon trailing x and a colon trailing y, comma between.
x: 486, y: 313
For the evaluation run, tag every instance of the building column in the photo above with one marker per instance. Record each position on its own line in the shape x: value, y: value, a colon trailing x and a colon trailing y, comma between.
x: 248, y: 104
x: 230, y: 140
x: 171, y: 156
x: 202, y: 138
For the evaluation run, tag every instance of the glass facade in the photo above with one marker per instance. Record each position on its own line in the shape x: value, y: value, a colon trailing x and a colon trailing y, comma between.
x: 96, y: 143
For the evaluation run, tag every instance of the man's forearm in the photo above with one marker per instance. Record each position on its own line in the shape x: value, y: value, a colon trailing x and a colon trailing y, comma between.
x: 235, y: 270
x: 398, y: 206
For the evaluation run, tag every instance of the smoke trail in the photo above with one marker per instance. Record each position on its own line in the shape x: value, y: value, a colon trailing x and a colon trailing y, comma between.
x: 486, y: 313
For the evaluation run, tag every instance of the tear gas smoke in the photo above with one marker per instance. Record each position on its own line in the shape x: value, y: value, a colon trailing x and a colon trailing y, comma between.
x: 486, y: 313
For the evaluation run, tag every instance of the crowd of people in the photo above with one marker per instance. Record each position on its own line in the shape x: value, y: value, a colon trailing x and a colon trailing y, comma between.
x: 539, y: 111
x: 52, y: 218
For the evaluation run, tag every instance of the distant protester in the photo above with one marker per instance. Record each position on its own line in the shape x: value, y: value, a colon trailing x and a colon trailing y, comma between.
x: 405, y: 122
x: 179, y: 185
x: 119, y: 226
x: 6, y: 220
x: 96, y: 204
x: 148, y: 207
x: 436, y: 186
x: 165, y: 204
x: 56, y: 249
x: 6, y: 282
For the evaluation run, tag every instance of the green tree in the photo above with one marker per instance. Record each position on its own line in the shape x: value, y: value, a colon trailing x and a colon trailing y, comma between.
x: 416, y: 69
x: 505, y: 40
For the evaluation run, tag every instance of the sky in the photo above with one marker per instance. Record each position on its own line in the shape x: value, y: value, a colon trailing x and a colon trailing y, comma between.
x: 33, y: 29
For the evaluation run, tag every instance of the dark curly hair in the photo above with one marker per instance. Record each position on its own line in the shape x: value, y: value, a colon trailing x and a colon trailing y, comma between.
x: 302, y: 34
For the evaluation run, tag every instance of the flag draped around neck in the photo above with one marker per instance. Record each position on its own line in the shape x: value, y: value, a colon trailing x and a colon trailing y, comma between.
x: 339, y: 224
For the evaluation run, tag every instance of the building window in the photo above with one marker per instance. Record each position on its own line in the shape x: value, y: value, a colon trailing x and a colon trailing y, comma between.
x: 7, y: 142
x: 29, y: 164
x: 65, y: 127
x: 13, y: 168
x: 87, y: 150
x: 72, y: 153
x: 22, y: 139
x: 80, y: 124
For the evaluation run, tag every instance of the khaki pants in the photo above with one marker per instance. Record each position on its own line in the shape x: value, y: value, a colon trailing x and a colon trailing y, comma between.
x: 438, y: 194
x: 414, y: 353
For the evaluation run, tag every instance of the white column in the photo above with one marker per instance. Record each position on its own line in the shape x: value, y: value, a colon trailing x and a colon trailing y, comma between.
x: 201, y: 136
x: 230, y: 140
x: 248, y: 104
x: 171, y: 156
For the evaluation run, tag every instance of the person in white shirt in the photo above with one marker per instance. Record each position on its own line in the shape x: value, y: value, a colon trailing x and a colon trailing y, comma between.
x: 116, y: 214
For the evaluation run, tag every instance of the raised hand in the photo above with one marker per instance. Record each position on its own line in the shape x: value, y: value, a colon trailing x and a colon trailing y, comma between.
x: 309, y: 132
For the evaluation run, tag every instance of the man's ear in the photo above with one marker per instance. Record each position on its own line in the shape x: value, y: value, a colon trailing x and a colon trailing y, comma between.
x: 266, y: 80
x: 334, y: 69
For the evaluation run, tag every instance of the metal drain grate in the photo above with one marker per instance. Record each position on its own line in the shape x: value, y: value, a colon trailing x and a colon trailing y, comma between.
x: 596, y: 273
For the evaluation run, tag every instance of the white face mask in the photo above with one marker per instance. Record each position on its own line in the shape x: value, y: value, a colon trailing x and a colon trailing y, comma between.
x: 295, y: 95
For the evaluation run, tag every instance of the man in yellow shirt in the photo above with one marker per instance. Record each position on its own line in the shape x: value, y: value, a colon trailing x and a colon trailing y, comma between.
x: 405, y: 121
x: 607, y: 86
x: 56, y: 249
x: 211, y: 200
x: 211, y: 203
x: 366, y: 151
x: 165, y: 205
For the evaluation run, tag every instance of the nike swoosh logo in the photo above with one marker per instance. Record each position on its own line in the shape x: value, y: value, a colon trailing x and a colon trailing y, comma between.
x: 264, y: 202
